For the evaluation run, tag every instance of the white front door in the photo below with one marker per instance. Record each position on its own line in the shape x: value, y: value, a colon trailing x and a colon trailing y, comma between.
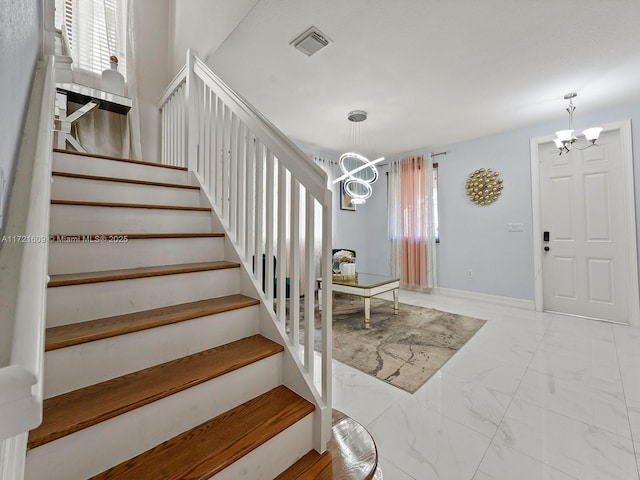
x: 587, y: 255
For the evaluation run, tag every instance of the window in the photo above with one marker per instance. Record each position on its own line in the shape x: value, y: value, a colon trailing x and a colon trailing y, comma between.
x: 435, y: 201
x: 412, y: 229
x: 95, y: 29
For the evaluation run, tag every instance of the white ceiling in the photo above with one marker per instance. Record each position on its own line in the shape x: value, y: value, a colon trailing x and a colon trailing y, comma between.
x: 431, y: 72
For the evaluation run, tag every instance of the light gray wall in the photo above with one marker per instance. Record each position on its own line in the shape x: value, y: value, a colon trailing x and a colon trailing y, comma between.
x: 203, y: 25
x: 476, y: 238
x: 152, y: 25
x: 20, y: 36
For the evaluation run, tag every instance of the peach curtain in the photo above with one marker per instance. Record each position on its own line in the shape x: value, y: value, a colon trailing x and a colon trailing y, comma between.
x: 411, y: 222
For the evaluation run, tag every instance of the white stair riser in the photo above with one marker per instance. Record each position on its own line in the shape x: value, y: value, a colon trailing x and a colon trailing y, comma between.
x: 78, y: 366
x: 112, y: 168
x: 65, y: 188
x: 85, y: 256
x: 95, y: 449
x: 87, y: 219
x: 273, y: 457
x: 77, y: 303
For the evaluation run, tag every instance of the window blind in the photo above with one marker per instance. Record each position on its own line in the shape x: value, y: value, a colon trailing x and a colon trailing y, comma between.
x: 96, y: 29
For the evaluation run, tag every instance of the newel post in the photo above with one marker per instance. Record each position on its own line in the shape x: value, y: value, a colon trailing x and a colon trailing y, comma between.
x: 191, y: 117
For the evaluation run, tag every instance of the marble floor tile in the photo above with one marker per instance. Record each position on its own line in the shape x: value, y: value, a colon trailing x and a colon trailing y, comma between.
x: 575, y: 448
x: 630, y: 372
x: 390, y: 471
x: 599, y: 403
x: 426, y: 444
x: 479, y: 403
x: 566, y: 385
x: 627, y: 339
x: 476, y: 366
x: 507, y: 343
x: 534, y: 321
x: 634, y: 421
x: 581, y: 326
x: 597, y: 365
x: 504, y: 463
x: 361, y: 396
x: 579, y: 334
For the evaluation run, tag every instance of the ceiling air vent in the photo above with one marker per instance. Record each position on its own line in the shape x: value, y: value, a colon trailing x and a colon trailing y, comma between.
x: 310, y: 41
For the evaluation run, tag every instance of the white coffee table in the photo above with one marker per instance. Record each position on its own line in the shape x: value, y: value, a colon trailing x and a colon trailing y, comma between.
x: 365, y: 285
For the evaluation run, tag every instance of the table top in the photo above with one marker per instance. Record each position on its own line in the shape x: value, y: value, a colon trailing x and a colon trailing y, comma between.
x: 366, y: 280
x: 82, y: 94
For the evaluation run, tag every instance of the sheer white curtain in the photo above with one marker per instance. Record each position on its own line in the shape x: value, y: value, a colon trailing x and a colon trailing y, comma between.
x: 412, y: 228
x: 96, y: 30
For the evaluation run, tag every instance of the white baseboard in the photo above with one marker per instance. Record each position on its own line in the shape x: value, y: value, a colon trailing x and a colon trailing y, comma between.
x: 485, y: 297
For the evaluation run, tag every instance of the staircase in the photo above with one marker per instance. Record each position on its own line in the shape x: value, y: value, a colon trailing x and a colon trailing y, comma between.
x: 154, y: 364
x: 165, y: 357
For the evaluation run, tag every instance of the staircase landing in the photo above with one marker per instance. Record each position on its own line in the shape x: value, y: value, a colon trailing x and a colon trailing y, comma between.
x: 351, y: 455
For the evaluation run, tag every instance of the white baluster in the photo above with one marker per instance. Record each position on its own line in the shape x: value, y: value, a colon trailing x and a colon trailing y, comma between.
x: 269, y: 215
x: 309, y: 254
x: 190, y: 117
x: 327, y: 314
x: 217, y: 173
x: 281, y: 274
x: 250, y: 202
x: 226, y: 121
x: 242, y: 182
x: 233, y: 174
x: 294, y: 262
x: 259, y: 214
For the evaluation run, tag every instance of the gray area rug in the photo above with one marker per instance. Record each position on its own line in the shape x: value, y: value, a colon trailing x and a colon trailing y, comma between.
x: 404, y: 350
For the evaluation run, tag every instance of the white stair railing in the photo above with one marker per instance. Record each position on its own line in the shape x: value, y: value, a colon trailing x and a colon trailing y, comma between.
x: 273, y: 202
x: 23, y: 279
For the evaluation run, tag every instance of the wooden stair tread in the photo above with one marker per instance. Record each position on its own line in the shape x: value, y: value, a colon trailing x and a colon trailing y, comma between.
x: 83, y: 203
x: 92, y: 330
x: 131, y: 273
x: 82, y: 408
x: 123, y: 180
x: 66, y: 237
x: 207, y: 449
x: 351, y: 455
x: 118, y: 159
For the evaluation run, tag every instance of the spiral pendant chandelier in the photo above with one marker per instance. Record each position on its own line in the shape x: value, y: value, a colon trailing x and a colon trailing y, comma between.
x: 358, y: 172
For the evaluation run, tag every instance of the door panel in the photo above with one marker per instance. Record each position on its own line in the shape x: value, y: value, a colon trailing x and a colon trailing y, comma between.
x: 601, y: 280
x: 564, y: 278
x: 561, y: 190
x: 598, y: 210
x: 587, y: 261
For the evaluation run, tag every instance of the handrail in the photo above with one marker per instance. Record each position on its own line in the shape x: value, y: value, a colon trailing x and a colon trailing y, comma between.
x: 23, y: 263
x: 311, y: 176
x: 177, y: 80
x: 273, y: 202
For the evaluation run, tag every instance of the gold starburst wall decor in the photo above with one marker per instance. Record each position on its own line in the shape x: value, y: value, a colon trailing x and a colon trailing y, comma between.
x: 484, y: 186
